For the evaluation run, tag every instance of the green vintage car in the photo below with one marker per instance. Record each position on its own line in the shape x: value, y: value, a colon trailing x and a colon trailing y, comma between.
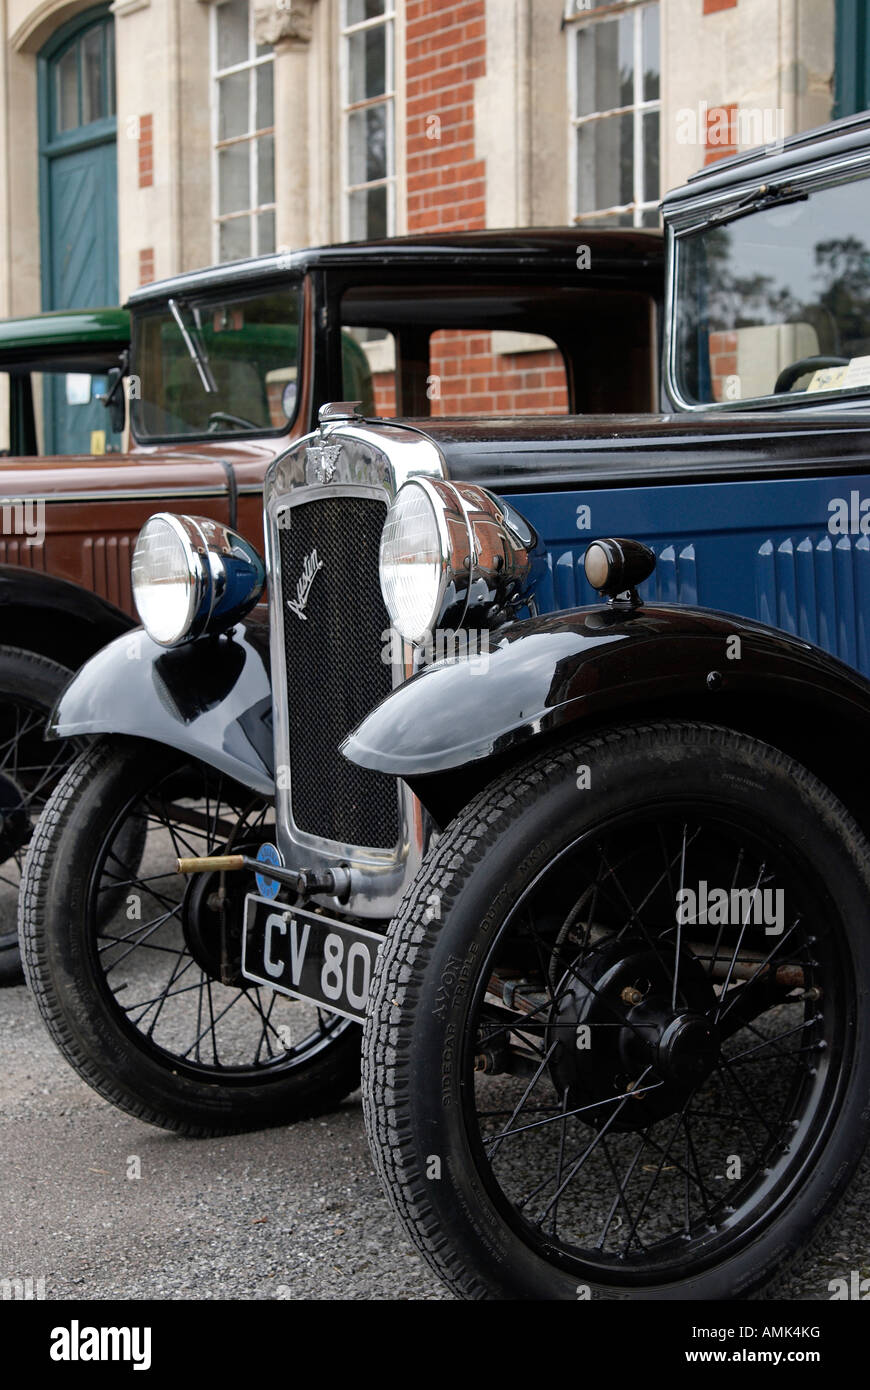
x: 56, y: 372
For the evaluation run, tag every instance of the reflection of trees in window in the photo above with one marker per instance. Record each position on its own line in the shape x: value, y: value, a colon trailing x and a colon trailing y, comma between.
x: 844, y: 269
x: 751, y: 300
x: 741, y: 301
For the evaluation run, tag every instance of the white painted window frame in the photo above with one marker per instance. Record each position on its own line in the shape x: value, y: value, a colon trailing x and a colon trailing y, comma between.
x: 578, y: 17
x: 388, y: 98
x: 250, y: 137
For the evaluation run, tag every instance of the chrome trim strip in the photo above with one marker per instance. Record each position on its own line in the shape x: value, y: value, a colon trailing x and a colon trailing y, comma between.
x: 147, y: 495
x: 373, y: 461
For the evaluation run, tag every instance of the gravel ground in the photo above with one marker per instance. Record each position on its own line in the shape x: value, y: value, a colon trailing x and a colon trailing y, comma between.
x: 285, y: 1213
x: 291, y: 1213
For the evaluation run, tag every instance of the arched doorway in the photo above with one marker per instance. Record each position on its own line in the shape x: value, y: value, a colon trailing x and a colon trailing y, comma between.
x: 78, y: 194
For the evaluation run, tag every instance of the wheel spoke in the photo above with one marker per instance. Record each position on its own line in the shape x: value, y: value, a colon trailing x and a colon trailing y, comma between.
x: 612, y: 1148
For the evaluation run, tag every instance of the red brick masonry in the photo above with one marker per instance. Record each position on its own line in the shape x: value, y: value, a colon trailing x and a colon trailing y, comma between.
x: 146, y: 151
x: 720, y: 135
x: 723, y: 361
x: 446, y: 55
x: 146, y: 265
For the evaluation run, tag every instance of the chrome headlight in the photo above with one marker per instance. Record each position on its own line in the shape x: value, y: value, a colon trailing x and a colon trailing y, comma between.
x: 190, y: 574
x: 453, y: 555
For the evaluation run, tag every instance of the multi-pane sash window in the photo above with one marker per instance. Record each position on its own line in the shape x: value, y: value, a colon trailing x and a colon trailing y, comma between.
x: 84, y: 79
x: 368, y: 117
x: 244, y: 134
x: 615, y: 104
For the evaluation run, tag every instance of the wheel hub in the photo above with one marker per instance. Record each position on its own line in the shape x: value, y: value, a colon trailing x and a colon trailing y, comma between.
x: 616, y: 1021
x: 687, y: 1050
x: 212, y: 917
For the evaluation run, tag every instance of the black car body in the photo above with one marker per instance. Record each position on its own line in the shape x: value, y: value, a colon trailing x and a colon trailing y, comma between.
x: 593, y: 874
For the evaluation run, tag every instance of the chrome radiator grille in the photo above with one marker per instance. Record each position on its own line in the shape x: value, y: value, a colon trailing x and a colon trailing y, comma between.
x: 334, y: 623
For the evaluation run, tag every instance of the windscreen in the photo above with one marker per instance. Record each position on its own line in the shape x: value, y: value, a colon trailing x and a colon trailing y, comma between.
x: 217, y: 366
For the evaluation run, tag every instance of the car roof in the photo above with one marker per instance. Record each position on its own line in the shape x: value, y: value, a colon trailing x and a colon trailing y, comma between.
x: 838, y: 141
x: 63, y: 331
x: 553, y: 248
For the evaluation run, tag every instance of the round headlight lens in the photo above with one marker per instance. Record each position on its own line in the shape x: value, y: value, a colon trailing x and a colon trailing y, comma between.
x: 412, y: 562
x: 165, y: 578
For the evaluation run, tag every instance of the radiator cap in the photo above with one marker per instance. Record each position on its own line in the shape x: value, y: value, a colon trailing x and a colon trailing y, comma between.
x: 338, y: 410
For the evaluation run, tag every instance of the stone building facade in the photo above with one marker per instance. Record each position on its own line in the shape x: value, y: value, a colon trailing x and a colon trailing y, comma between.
x: 143, y: 137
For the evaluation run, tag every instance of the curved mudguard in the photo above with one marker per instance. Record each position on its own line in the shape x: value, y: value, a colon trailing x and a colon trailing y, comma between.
x: 211, y: 698
x: 27, y: 592
x: 592, y: 663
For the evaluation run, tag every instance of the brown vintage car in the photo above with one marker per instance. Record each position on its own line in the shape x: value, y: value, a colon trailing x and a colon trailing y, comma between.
x: 226, y: 367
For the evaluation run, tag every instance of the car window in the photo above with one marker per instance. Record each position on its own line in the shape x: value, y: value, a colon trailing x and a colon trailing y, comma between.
x: 368, y: 365
x: 57, y: 412
x: 473, y: 372
x: 776, y: 302
x: 467, y: 372
x: 435, y: 349
x: 217, y: 366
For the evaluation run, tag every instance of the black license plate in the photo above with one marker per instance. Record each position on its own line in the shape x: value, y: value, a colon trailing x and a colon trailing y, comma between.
x: 309, y: 956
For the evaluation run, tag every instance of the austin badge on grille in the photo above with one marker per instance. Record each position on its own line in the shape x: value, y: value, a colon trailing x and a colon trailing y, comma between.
x: 310, y: 566
x: 322, y: 461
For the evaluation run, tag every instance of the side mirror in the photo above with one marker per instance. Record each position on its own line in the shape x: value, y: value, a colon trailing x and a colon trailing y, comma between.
x: 114, y: 399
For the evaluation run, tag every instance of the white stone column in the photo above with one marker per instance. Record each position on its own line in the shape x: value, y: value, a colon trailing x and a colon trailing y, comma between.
x: 288, y: 26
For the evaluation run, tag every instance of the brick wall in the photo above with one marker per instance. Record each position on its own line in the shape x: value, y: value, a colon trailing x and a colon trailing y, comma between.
x: 146, y: 151
x: 468, y: 378
x: 446, y: 189
x: 471, y: 378
x: 445, y: 55
x: 146, y: 265
x: 723, y: 361
x: 385, y: 394
x: 720, y: 134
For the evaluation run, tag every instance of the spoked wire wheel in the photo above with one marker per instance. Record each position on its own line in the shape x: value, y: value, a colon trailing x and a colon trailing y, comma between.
x: 658, y: 1083
x: 133, y: 963
x: 29, y: 769
x: 632, y: 1034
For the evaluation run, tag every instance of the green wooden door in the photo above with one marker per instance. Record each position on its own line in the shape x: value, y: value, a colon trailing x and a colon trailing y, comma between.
x: 79, y: 208
x: 851, y: 58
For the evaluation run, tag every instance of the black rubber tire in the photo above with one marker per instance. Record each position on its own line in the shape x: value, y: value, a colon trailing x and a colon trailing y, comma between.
x: 54, y: 929
x: 33, y: 682
x: 426, y: 979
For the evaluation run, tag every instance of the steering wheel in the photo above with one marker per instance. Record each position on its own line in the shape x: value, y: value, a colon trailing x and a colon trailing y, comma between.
x: 789, y: 375
x: 223, y: 417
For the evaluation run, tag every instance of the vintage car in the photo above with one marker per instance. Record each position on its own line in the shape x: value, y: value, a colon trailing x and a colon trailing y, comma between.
x: 576, y: 825
x: 55, y: 372
x: 226, y: 367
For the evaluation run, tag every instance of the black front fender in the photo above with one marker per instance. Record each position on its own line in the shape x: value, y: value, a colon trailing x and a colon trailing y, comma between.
x: 598, y: 664
x: 211, y: 698
x: 55, y: 617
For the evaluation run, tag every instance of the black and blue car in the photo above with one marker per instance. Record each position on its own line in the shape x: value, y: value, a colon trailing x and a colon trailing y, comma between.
x: 548, y: 767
